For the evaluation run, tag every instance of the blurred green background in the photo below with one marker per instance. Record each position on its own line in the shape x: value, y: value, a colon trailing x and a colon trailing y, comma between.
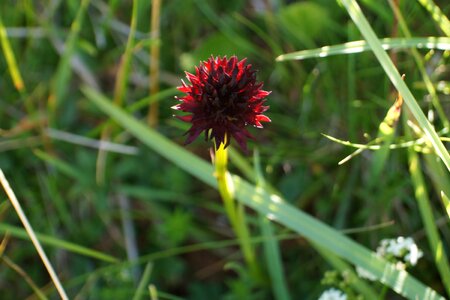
x: 135, y: 204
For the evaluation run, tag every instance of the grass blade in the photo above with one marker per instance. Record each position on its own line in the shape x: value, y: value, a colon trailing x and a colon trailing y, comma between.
x: 120, y: 90
x: 446, y: 202
x: 30, y: 231
x: 439, y: 43
x: 62, y: 75
x: 153, y: 112
x: 7, y: 261
x: 55, y: 242
x: 143, y: 282
x: 269, y: 204
x: 10, y: 59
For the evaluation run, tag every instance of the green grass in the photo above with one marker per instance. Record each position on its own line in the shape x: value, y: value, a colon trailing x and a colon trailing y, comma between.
x: 327, y: 182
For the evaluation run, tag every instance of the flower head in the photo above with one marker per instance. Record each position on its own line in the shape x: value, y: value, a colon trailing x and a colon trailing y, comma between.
x: 223, y: 97
x: 401, y: 248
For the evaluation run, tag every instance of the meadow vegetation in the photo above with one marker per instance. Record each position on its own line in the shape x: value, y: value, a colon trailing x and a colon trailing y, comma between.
x: 346, y: 188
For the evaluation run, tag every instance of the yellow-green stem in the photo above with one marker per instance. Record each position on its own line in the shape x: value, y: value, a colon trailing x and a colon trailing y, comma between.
x: 235, y: 213
x: 153, y: 112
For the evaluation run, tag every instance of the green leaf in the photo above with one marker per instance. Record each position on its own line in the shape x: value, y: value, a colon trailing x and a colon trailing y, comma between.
x: 61, y: 244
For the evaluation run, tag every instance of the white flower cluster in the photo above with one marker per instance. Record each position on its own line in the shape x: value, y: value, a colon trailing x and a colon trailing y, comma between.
x: 404, y: 250
x: 333, y: 294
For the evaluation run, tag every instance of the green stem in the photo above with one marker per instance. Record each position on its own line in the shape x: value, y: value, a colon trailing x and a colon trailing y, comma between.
x: 235, y: 213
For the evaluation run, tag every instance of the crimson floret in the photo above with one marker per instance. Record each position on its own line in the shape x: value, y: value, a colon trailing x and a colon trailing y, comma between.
x: 223, y: 97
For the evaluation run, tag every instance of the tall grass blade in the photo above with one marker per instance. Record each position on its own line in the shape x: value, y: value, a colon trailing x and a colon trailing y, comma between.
x: 270, y: 205
x: 438, y: 43
x: 153, y: 112
x: 30, y: 231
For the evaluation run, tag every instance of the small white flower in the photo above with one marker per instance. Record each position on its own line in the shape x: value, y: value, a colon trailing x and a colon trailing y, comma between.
x: 402, y: 248
x: 333, y: 294
x: 414, y: 254
x: 364, y: 274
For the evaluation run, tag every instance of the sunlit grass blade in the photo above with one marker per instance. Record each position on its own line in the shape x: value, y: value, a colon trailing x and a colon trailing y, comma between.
x: 361, y: 22
x: 21, y: 272
x: 270, y: 205
x: 438, y: 43
x: 155, y: 48
x: 58, y: 243
x: 10, y: 59
x: 153, y: 291
x: 437, y: 15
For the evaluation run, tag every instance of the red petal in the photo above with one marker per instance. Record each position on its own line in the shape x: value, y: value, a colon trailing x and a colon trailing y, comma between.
x: 263, y: 118
x: 261, y: 94
x: 187, y: 119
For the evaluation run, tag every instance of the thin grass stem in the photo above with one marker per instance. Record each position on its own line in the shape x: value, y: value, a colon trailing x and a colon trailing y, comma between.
x: 7, y: 261
x: 153, y: 112
x: 23, y: 218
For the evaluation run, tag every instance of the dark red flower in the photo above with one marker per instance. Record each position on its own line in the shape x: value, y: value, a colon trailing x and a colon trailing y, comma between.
x: 223, y: 97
